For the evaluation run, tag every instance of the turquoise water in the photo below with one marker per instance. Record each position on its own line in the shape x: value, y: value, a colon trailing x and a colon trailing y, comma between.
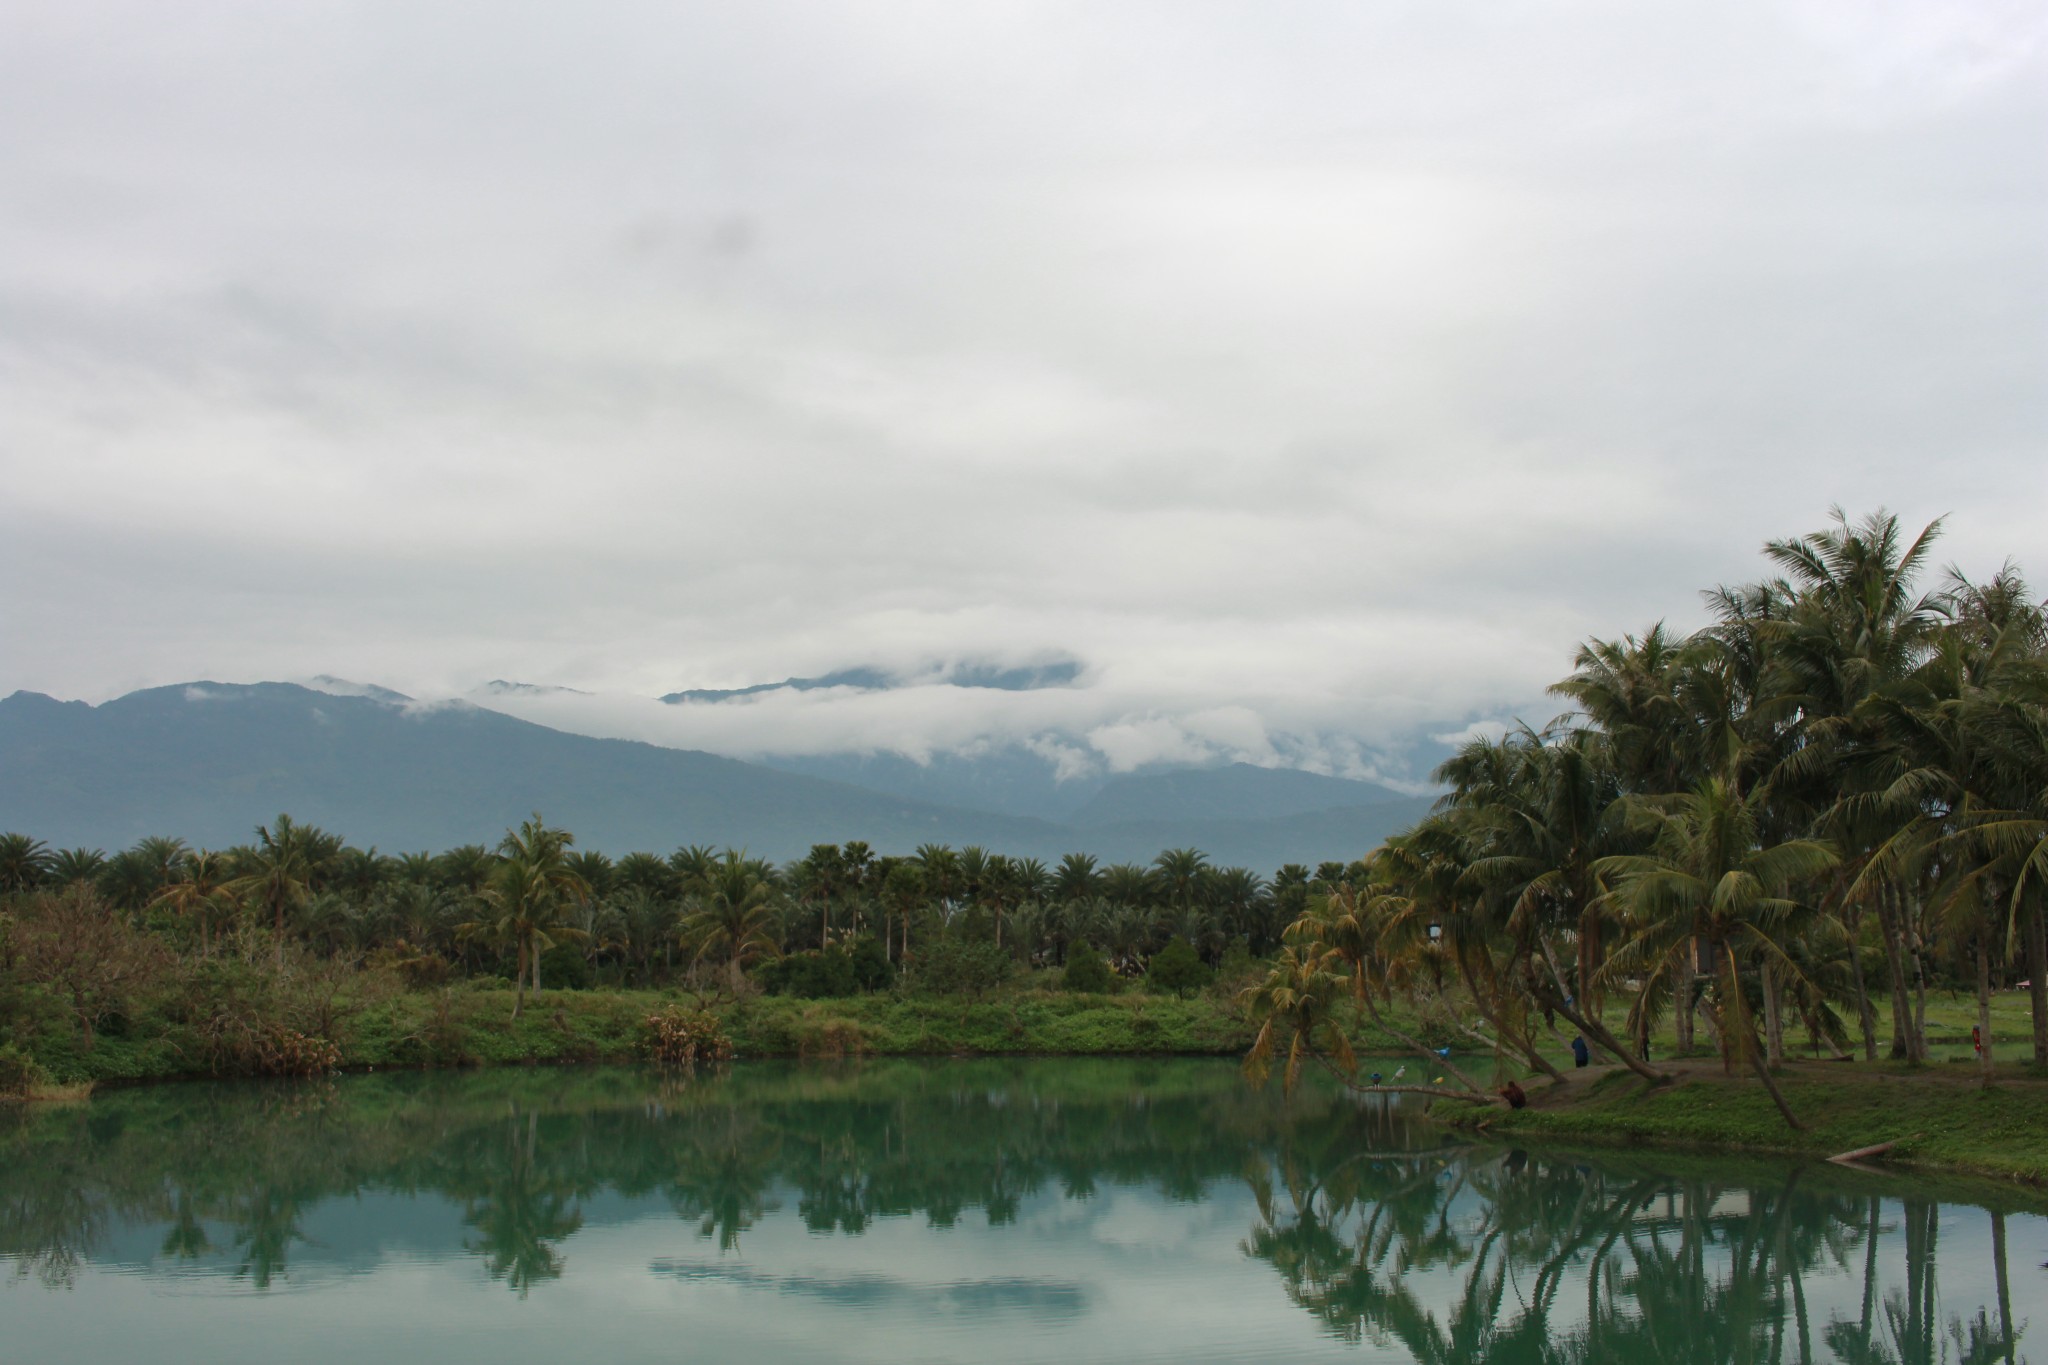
x: 1046, y: 1210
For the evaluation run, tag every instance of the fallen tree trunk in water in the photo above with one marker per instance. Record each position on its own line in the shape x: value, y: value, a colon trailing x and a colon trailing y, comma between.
x: 1878, y: 1150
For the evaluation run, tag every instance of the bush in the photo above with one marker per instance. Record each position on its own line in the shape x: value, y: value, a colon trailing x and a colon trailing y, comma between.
x: 1086, y: 971
x: 952, y: 967
x: 19, y: 1072
x: 233, y: 1016
x: 816, y: 974
x: 1176, y: 968
x: 563, y: 967
x: 830, y: 1037
x: 1237, y: 967
x: 684, y: 1037
x: 872, y: 969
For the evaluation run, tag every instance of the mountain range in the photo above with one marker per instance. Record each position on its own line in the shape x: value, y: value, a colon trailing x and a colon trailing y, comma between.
x: 207, y: 762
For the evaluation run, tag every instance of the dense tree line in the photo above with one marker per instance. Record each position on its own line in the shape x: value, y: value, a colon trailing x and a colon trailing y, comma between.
x: 538, y: 911
x: 1833, y: 794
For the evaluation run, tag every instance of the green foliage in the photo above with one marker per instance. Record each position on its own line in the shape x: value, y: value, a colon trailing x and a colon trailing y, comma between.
x: 1937, y: 1121
x: 19, y: 1072
x: 678, y: 1036
x: 1177, y: 968
x: 564, y: 967
x: 813, y: 975
x: 950, y: 966
x: 1086, y: 973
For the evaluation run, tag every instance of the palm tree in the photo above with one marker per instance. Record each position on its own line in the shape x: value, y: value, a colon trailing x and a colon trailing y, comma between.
x: 24, y: 863
x: 198, y: 892
x: 1707, y: 879
x: 73, y: 865
x: 732, y: 916
x: 281, y: 871
x: 529, y: 904
x: 1075, y: 878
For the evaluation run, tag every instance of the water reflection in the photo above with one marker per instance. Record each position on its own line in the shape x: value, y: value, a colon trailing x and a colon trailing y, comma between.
x: 1394, y: 1239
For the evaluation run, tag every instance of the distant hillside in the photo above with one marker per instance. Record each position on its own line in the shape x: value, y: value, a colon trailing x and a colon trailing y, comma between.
x: 1237, y: 792
x: 207, y: 762
x: 1010, y: 779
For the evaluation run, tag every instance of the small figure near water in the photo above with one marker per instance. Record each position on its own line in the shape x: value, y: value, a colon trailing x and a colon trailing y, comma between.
x: 1581, y: 1054
x: 1516, y: 1097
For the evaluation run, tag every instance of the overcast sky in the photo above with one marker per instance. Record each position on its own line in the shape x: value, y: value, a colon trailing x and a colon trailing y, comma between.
x: 1317, y: 375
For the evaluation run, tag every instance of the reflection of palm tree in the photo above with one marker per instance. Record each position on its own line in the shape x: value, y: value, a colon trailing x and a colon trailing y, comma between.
x: 187, y: 1239
x: 1674, y: 1271
x: 266, y: 1224
x: 520, y: 1210
x: 723, y: 1178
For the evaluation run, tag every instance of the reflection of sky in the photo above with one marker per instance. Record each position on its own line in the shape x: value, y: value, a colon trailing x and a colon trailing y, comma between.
x: 1126, y: 1274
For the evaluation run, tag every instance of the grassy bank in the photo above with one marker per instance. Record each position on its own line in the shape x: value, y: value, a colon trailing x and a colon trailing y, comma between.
x: 1938, y: 1116
x: 467, y: 1026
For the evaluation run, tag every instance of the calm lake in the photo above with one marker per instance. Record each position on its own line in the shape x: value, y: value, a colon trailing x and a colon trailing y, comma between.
x: 898, y: 1211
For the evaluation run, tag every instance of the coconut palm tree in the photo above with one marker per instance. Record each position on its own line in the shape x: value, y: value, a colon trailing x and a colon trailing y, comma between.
x: 731, y: 918
x: 24, y: 863
x: 281, y: 870
x: 1708, y: 879
x: 531, y: 900
x: 198, y: 892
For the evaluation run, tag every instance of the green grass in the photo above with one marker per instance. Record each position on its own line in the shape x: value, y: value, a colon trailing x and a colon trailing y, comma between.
x: 470, y: 1026
x: 1939, y: 1117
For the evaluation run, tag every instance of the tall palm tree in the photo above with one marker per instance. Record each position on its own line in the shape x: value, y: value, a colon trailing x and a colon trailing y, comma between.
x: 282, y: 868
x: 198, y: 893
x: 1708, y: 879
x: 24, y: 863
x: 531, y: 900
x: 731, y: 918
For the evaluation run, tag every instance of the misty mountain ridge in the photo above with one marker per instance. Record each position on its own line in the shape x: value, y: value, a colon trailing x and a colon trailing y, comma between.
x: 866, y: 678
x: 208, y: 761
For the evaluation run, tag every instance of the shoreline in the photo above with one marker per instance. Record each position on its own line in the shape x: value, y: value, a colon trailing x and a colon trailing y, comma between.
x: 1936, y: 1123
x: 1942, y: 1121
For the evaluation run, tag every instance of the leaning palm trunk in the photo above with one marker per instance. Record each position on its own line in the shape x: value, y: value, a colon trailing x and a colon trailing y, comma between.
x: 1984, y: 1063
x: 1889, y: 915
x: 1682, y: 986
x: 1418, y: 1047
x: 1509, y: 1039
x: 1743, y: 1027
x: 1774, y: 1016
x: 2036, y: 927
x: 1866, y: 1013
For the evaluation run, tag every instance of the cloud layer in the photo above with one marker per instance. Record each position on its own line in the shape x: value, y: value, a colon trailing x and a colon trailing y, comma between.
x: 1315, y: 375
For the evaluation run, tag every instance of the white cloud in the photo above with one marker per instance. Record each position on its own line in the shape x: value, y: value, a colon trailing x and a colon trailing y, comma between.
x: 1319, y: 378
x: 1478, y: 729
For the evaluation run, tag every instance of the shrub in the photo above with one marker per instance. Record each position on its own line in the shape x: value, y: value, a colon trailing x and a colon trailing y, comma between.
x: 1176, y: 968
x: 817, y: 974
x: 19, y: 1072
x: 1086, y: 971
x: 954, y: 967
x: 872, y: 969
x: 678, y: 1036
x: 1237, y: 967
x: 563, y: 967
x: 288, y: 1052
x: 830, y: 1037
